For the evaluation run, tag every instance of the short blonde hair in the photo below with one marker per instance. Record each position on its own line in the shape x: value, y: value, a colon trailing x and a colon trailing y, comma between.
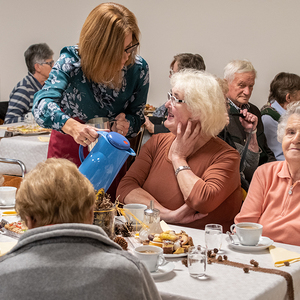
x: 101, y: 43
x: 55, y: 192
x: 204, y: 98
x: 292, y: 109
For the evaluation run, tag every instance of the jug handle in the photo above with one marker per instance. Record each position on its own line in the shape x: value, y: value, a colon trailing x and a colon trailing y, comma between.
x: 131, y: 152
x: 80, y: 151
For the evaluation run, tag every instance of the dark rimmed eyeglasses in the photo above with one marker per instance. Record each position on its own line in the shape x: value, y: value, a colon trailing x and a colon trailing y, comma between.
x: 130, y: 49
x: 173, y: 99
x: 49, y: 63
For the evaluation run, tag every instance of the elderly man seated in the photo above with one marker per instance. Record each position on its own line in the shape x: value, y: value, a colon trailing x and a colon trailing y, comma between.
x: 240, y: 76
x: 39, y: 62
x: 63, y: 256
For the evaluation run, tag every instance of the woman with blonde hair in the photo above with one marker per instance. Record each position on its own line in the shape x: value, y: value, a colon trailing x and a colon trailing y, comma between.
x: 191, y: 175
x: 62, y: 253
x: 102, y: 76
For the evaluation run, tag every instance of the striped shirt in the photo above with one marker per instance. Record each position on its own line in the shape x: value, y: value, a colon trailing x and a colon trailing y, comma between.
x: 21, y: 99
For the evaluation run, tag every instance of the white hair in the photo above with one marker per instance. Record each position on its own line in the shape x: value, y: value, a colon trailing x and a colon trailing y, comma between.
x: 237, y: 66
x: 204, y: 98
x: 292, y: 109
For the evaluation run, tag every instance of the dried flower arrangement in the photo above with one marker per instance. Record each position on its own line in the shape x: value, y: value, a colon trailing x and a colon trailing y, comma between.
x: 104, y: 213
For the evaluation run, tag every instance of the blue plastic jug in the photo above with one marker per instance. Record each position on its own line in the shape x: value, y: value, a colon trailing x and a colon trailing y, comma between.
x: 105, y: 159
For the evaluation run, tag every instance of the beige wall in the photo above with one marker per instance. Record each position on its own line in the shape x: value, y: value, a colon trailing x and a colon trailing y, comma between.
x: 263, y: 31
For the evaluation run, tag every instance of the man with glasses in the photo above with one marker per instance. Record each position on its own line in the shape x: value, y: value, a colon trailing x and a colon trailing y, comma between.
x: 39, y: 61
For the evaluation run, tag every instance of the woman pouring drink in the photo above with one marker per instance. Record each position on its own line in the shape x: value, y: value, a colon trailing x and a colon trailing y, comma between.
x: 100, y: 77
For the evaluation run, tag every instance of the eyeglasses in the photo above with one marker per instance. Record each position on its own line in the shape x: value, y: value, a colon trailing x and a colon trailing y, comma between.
x: 174, y: 100
x: 130, y: 49
x: 49, y: 63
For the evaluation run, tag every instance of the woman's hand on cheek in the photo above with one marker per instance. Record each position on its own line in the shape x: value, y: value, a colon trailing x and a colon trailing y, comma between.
x: 185, y: 140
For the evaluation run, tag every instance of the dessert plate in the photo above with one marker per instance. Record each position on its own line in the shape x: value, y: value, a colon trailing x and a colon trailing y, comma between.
x: 163, y: 270
x: 263, y: 243
x: 175, y: 255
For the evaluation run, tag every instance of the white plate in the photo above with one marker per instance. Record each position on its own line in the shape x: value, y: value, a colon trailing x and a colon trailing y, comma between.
x: 175, y: 255
x: 163, y: 270
x: 263, y: 243
x: 6, y: 206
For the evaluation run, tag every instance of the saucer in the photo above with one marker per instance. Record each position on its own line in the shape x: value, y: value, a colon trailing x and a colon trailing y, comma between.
x: 263, y: 243
x: 163, y: 270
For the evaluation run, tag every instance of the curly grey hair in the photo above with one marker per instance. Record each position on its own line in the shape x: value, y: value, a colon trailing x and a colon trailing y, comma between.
x: 204, y: 98
x: 292, y: 108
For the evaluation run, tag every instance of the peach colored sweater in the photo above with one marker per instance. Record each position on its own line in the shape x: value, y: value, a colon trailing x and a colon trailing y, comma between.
x: 218, y: 194
x: 273, y: 201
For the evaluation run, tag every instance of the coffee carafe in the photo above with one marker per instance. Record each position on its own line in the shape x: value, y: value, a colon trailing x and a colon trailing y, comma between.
x: 105, y: 159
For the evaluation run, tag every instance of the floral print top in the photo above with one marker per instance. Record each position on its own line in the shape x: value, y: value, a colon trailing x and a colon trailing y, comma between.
x: 69, y: 94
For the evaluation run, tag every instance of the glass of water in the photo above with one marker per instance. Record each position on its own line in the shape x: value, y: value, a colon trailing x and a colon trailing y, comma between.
x: 213, y: 236
x: 197, y: 261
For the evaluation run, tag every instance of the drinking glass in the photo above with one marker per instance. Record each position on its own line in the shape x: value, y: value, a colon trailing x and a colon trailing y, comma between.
x: 213, y: 236
x: 197, y: 261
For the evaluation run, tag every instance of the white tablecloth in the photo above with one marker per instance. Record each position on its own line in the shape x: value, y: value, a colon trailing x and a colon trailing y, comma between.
x: 29, y: 149
x: 226, y: 282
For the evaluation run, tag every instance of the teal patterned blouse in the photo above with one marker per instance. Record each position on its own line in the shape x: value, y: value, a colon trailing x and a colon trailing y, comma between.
x: 67, y: 93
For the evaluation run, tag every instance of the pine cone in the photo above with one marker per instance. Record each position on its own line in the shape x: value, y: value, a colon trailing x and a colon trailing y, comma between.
x: 121, y: 241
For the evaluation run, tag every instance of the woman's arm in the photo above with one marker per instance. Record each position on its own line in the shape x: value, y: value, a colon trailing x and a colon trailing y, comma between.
x: 135, y: 109
x: 252, y: 207
x: 130, y: 188
x: 47, y: 102
x: 218, y: 181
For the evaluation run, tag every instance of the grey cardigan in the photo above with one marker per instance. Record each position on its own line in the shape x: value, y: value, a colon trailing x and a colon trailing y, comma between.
x: 72, y: 261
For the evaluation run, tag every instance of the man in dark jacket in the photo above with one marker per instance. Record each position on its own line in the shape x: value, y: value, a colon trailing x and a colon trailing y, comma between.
x: 240, y: 76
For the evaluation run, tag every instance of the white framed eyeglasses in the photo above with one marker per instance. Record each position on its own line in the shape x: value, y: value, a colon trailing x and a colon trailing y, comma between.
x: 173, y: 99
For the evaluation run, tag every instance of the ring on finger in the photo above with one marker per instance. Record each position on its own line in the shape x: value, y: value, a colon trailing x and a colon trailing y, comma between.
x: 85, y: 141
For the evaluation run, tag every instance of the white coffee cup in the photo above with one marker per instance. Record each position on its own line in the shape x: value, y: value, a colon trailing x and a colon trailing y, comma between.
x: 7, y: 195
x: 137, y: 210
x: 151, y: 256
x: 248, y: 233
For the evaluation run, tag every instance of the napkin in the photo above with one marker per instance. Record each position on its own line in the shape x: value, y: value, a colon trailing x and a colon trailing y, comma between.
x: 6, y: 246
x: 44, y: 138
x: 280, y: 255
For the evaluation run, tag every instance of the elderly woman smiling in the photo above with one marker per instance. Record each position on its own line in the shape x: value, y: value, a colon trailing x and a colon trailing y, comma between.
x: 192, y: 176
x: 273, y: 197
